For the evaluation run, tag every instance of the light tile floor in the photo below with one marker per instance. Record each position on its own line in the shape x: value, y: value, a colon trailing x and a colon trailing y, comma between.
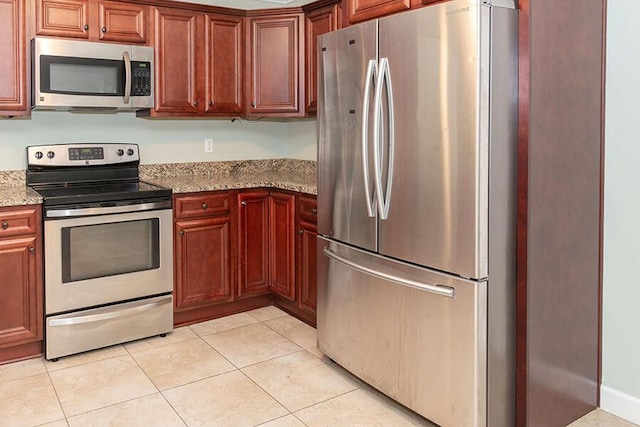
x: 256, y: 368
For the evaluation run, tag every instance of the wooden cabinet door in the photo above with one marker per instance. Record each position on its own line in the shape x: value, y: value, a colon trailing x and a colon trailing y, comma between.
x: 204, y: 272
x: 306, y: 251
x: 13, y: 73
x: 306, y: 267
x: 179, y: 60
x: 122, y: 22
x: 62, y: 18
x: 20, y: 291
x: 362, y: 10
x: 318, y: 22
x: 225, y: 60
x: 253, y: 231
x: 276, y: 66
x: 282, y: 210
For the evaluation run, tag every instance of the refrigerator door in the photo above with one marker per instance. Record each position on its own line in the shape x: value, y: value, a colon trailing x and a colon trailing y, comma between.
x: 416, y: 335
x: 346, y: 74
x: 437, y: 211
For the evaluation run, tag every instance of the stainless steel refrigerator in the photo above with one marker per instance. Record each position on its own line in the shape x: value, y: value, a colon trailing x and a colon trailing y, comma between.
x: 417, y: 126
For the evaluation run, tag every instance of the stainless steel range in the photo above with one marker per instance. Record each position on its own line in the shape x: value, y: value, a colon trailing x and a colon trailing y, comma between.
x: 108, y: 247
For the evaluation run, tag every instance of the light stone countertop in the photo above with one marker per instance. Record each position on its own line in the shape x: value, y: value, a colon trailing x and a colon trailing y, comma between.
x: 14, y: 190
x: 284, y: 174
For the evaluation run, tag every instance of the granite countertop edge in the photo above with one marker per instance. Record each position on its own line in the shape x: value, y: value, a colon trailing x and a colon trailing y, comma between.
x: 18, y: 195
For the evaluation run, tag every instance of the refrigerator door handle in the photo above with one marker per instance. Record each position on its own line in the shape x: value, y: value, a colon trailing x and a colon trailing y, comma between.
x: 384, y: 80
x: 370, y: 75
x: 441, y: 290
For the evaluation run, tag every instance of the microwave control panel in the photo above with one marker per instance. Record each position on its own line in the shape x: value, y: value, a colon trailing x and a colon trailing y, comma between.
x: 140, y: 78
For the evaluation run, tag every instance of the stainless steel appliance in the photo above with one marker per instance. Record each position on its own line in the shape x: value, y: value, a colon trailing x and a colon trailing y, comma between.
x: 78, y: 75
x: 417, y: 119
x: 108, y: 247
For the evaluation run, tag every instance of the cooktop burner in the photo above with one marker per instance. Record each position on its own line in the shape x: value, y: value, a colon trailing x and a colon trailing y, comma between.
x: 101, y: 192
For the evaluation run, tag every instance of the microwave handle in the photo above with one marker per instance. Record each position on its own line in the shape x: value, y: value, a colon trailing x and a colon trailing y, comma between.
x: 127, y: 74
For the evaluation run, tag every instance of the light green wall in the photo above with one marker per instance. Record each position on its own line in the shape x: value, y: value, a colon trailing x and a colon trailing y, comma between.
x: 161, y: 141
x: 621, y: 300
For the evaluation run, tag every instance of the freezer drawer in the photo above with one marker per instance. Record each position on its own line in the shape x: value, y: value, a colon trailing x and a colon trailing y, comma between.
x: 100, y: 327
x: 416, y: 335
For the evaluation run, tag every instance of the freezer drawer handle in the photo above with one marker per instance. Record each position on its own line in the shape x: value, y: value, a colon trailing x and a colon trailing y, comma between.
x: 435, y: 289
x: 111, y: 315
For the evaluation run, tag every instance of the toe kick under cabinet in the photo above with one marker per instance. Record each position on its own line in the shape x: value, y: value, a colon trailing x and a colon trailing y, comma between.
x: 21, y: 292
x: 239, y: 250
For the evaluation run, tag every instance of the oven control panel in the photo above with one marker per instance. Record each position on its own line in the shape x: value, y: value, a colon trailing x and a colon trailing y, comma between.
x: 82, y: 154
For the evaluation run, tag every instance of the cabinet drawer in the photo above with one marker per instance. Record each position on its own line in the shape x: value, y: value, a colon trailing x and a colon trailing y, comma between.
x: 202, y: 205
x: 308, y: 208
x: 15, y: 222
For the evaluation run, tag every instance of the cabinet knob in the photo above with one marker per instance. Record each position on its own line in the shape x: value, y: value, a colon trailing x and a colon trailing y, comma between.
x: 204, y: 206
x: 181, y: 233
x: 300, y: 231
x: 195, y: 103
x: 86, y: 27
x: 314, y: 211
x: 253, y: 104
x: 32, y: 250
x: 210, y: 103
x: 5, y: 225
x: 243, y: 203
x: 104, y: 29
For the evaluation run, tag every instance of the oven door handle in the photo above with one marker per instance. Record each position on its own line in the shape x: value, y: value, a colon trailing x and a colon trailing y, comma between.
x: 109, y: 315
x: 69, y: 213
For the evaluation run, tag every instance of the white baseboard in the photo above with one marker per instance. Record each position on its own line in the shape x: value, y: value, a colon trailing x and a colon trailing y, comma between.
x: 620, y: 404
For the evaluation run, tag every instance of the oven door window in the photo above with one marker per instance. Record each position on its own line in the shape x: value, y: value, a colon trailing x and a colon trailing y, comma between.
x: 102, y: 250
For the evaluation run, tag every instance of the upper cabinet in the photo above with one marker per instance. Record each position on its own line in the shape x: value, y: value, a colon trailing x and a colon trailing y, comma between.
x: 362, y: 10
x: 178, y: 42
x: 224, y: 60
x: 275, y: 70
x: 93, y: 20
x: 13, y: 77
x: 199, y: 58
x: 318, y: 21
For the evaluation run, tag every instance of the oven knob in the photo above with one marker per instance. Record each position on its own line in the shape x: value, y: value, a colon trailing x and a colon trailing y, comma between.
x: 51, y: 154
x: 120, y: 152
x: 130, y: 151
x: 39, y: 155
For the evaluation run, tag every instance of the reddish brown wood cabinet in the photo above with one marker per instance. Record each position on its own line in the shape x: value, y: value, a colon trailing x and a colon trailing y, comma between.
x: 282, y: 210
x: 253, y: 232
x: 199, y: 60
x: 21, y: 292
x: 317, y: 22
x: 275, y: 65
x: 204, y: 256
x: 267, y: 243
x: 93, y: 20
x: 13, y: 73
x: 179, y: 60
x: 306, y: 253
x: 362, y: 10
x: 224, y: 78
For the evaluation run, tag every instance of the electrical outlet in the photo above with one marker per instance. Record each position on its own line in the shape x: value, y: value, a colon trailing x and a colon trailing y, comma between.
x: 208, y: 145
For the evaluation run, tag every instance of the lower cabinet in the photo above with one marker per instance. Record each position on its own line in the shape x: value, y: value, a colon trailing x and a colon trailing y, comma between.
x: 21, y: 291
x: 239, y: 250
x: 306, y: 253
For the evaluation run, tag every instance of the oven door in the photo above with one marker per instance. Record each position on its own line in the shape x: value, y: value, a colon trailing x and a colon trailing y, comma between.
x: 96, y: 260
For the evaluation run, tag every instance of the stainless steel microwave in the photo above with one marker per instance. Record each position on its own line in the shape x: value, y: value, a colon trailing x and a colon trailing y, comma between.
x: 73, y: 75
